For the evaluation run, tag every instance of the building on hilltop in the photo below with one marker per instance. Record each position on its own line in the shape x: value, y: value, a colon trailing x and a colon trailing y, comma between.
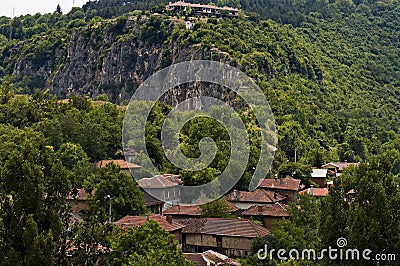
x: 199, y: 9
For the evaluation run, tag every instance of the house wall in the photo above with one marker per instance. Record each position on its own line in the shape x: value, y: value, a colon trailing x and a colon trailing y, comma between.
x: 227, y: 245
x: 78, y: 205
x: 177, y: 235
x: 321, y: 182
x: 269, y: 221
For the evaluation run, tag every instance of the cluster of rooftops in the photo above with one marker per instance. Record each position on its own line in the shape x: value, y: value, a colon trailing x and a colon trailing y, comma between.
x: 267, y: 203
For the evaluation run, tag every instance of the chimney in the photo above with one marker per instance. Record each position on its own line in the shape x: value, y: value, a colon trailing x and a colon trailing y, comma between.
x: 260, y: 208
x: 169, y: 219
x: 147, y: 217
x: 281, y: 181
x: 235, y: 194
x: 312, y: 190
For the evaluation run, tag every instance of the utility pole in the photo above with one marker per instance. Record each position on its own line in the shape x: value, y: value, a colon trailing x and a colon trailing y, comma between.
x: 295, y: 155
x: 11, y: 26
x: 109, y: 208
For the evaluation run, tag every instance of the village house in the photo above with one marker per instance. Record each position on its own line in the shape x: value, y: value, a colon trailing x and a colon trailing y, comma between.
x: 231, y: 237
x: 337, y: 167
x: 123, y: 165
x: 211, y: 258
x: 183, y: 212
x: 153, y: 205
x: 287, y: 186
x: 318, y: 176
x: 165, y: 222
x: 202, y: 10
x: 245, y: 199
x: 78, y: 201
x: 165, y: 188
x: 268, y: 213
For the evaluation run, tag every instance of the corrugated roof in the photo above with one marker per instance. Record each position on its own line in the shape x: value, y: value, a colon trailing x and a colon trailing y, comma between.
x: 257, y: 195
x: 224, y: 227
x: 274, y: 210
x: 133, y: 221
x: 287, y: 183
x: 121, y: 163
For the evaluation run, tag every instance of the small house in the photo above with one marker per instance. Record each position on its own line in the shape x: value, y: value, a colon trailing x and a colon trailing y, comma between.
x: 287, y: 186
x: 165, y: 222
x: 245, y: 199
x: 230, y: 237
x: 268, y: 213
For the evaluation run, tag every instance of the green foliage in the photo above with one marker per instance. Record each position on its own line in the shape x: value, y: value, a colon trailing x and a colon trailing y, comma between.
x: 296, y: 170
x: 369, y: 217
x: 149, y: 245
x: 217, y: 208
x: 126, y: 196
x: 34, y: 186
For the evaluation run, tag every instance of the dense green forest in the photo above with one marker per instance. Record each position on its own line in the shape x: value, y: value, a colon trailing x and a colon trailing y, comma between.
x: 329, y: 69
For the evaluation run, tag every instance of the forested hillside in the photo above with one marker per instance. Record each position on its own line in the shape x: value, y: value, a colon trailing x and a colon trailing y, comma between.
x: 329, y: 69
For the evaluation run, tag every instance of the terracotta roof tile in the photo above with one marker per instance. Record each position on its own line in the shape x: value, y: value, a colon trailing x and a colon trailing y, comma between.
x: 81, y: 195
x: 197, y: 258
x: 317, y: 192
x: 339, y: 165
x: 257, y: 195
x: 274, y: 210
x: 133, y: 221
x: 287, y: 183
x: 224, y: 227
x: 194, y: 210
x: 121, y: 163
x: 157, y: 181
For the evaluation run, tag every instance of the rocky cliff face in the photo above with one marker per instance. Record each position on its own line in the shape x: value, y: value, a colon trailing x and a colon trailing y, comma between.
x: 110, y: 65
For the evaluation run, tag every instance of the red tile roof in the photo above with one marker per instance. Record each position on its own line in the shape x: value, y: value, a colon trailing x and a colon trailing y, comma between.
x: 224, y: 227
x: 287, y: 183
x: 81, y: 195
x: 257, y: 195
x: 173, y: 178
x: 197, y: 258
x: 194, y: 210
x: 274, y: 210
x: 157, y: 181
x: 338, y: 165
x: 317, y: 192
x: 121, y: 163
x: 133, y: 221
